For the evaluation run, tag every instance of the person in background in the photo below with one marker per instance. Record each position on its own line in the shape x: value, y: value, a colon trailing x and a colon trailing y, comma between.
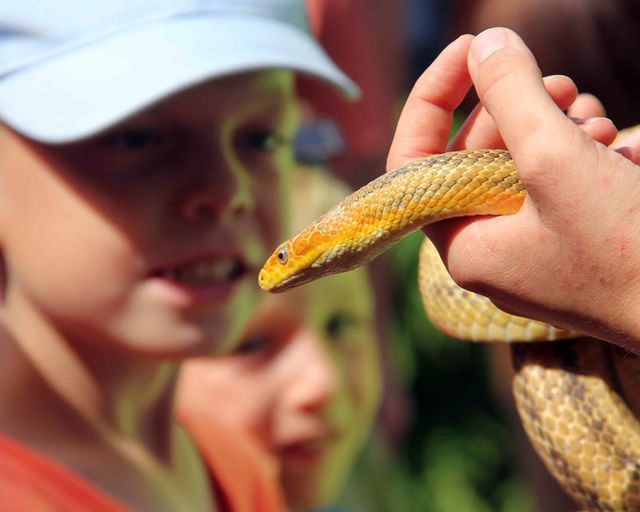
x: 588, y: 40
x: 303, y: 385
x: 145, y: 150
x: 366, y: 38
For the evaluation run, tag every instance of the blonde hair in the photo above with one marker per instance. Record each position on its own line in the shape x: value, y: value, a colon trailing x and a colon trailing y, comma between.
x: 315, y: 190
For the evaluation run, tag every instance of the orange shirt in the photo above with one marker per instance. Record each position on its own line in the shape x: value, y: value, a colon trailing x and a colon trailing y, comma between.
x: 244, y: 479
x: 29, y: 481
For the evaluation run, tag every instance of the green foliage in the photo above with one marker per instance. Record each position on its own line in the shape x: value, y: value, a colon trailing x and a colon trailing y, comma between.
x: 458, y: 455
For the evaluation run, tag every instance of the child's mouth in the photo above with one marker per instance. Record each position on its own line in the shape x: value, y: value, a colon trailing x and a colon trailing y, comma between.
x: 306, y: 453
x: 205, y: 272
x: 203, y: 281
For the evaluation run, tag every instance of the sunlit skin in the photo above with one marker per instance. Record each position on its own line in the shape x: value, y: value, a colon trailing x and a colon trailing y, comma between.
x: 128, y: 250
x: 555, y: 238
x: 177, y: 185
x: 306, y: 374
x: 305, y: 384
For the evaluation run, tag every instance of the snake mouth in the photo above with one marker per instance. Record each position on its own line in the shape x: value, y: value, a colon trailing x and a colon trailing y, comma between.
x: 300, y: 276
x: 287, y: 283
x: 313, y: 270
x: 278, y: 276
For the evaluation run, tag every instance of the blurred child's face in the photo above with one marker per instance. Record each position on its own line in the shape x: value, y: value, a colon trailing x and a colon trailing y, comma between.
x: 150, y: 236
x: 304, y: 382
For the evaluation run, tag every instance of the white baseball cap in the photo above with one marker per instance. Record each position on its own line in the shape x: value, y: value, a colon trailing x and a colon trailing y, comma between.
x: 72, y: 68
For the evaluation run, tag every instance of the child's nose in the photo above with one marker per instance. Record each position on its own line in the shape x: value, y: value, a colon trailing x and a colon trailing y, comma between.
x: 316, y: 381
x: 214, y: 201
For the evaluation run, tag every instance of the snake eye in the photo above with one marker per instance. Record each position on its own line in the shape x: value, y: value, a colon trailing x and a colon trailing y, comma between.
x: 283, y: 255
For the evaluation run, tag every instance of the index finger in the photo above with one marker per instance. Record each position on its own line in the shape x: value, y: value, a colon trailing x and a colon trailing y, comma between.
x: 425, y: 123
x: 480, y: 131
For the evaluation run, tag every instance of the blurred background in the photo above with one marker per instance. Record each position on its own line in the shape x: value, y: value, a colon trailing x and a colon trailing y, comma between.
x: 447, y: 437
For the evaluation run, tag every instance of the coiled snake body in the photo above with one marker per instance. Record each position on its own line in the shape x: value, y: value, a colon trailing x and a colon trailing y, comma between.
x: 577, y: 397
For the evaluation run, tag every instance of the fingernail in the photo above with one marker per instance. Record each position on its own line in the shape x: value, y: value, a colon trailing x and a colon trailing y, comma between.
x: 558, y: 75
x: 579, y: 120
x: 589, y: 120
x: 488, y: 42
x: 629, y: 153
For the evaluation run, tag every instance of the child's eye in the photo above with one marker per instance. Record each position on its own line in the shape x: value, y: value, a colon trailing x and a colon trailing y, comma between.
x: 265, y: 140
x: 136, y: 139
x: 338, y: 323
x: 253, y: 345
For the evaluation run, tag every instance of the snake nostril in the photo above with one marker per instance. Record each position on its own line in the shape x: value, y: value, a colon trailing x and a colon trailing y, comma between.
x: 262, y: 279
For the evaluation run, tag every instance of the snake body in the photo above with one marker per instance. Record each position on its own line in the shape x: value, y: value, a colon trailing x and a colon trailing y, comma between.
x: 577, y: 398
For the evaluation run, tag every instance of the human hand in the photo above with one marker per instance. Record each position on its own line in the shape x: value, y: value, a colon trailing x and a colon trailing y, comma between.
x: 571, y: 256
x: 627, y: 142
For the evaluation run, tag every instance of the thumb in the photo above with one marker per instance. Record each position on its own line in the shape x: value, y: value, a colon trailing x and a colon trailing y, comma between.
x: 509, y: 85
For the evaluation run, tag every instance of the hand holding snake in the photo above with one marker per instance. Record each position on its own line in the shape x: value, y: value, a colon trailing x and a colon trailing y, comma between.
x: 568, y: 253
x: 576, y: 239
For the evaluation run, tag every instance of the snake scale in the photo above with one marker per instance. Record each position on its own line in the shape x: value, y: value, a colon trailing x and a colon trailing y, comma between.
x: 577, y: 397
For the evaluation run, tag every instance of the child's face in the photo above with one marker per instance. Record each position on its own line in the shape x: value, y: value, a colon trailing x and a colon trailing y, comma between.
x: 305, y: 383
x: 150, y: 236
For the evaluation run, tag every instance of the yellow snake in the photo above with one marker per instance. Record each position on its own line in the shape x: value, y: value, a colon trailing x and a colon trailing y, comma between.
x: 578, y: 397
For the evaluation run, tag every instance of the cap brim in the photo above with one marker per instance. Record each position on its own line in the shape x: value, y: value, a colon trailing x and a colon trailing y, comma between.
x: 86, y: 90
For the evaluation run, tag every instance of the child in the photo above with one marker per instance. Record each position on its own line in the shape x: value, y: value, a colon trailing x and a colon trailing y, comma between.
x: 303, y: 384
x: 144, y: 149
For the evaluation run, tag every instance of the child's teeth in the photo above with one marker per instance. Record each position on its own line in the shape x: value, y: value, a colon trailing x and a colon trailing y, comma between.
x: 204, y: 271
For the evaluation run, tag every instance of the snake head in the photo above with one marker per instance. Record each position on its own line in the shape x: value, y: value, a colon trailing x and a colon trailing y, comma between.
x: 293, y: 263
